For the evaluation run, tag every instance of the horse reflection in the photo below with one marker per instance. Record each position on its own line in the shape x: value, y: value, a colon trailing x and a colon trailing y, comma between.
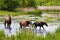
x: 8, y: 22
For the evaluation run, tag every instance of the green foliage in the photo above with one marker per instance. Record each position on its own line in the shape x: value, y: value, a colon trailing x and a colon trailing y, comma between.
x: 2, y: 35
x: 48, y: 2
x: 27, y: 3
x: 31, y: 3
x: 5, y: 13
x: 1, y: 3
x: 36, y: 12
x: 27, y: 35
x: 9, y: 5
x: 48, y: 20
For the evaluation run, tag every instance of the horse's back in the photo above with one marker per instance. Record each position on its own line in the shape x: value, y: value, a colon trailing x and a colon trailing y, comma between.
x: 36, y: 23
x: 22, y: 22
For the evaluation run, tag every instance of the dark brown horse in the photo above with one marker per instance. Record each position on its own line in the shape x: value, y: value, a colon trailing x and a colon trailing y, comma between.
x: 40, y: 24
x: 25, y: 23
x: 8, y: 22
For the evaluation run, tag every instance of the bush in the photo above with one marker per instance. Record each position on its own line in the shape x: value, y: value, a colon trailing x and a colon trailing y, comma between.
x: 9, y: 5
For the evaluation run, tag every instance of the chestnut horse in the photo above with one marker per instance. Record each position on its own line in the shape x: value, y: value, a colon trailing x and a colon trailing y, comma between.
x: 8, y: 22
x: 40, y: 24
x: 25, y: 23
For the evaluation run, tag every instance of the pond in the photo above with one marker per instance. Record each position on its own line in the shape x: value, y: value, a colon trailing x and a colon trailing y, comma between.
x: 52, y: 26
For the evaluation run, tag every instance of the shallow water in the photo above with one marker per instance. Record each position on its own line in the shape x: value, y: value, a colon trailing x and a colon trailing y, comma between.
x: 51, y: 29
x: 15, y: 27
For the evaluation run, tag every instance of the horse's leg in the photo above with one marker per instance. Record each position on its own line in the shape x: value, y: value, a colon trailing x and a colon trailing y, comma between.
x: 21, y: 26
x: 40, y: 28
x: 9, y: 26
x: 5, y: 24
x: 35, y: 27
x: 43, y: 27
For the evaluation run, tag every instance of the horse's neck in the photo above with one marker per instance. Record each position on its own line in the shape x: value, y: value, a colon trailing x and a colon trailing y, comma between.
x: 45, y: 24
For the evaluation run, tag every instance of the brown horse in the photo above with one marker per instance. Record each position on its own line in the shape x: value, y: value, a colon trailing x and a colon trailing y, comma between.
x: 25, y: 23
x: 40, y: 24
x: 8, y: 22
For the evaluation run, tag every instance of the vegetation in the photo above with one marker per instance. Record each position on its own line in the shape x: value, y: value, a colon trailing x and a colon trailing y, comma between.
x: 27, y: 3
x: 48, y: 2
x: 35, y: 12
x: 11, y: 5
x: 27, y: 35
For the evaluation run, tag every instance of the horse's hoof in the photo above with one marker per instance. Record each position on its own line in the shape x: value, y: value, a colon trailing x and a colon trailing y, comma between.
x: 10, y: 28
x: 6, y: 28
x: 44, y: 29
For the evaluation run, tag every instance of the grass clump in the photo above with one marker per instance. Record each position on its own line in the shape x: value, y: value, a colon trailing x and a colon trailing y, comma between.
x: 5, y: 13
x: 27, y: 35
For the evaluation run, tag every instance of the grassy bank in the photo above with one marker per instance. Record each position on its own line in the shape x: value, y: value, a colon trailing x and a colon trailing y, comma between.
x: 5, y: 13
x: 27, y: 35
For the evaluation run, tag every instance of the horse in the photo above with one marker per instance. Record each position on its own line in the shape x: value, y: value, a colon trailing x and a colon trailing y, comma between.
x: 25, y: 23
x: 8, y: 22
x: 40, y: 24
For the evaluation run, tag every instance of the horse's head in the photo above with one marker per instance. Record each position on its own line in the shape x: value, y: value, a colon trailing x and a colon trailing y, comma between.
x: 46, y: 24
x: 29, y: 23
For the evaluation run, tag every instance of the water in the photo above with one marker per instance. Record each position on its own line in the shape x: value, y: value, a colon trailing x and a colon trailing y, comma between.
x: 51, y: 29
x: 15, y: 27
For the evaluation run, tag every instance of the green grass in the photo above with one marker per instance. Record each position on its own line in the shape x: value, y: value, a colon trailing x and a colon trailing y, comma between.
x: 5, y: 13
x: 27, y: 35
